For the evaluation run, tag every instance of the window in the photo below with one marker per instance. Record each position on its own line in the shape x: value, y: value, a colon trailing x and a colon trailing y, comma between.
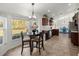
x: 17, y: 27
x: 1, y: 31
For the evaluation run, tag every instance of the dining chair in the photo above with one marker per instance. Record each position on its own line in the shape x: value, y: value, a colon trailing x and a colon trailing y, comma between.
x: 24, y: 42
x: 39, y: 41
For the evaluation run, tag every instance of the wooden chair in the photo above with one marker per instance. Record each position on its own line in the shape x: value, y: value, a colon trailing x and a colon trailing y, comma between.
x: 39, y: 41
x: 24, y: 41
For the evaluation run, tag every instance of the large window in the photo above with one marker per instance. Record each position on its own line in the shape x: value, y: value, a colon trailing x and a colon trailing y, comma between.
x: 18, y: 26
x: 1, y: 31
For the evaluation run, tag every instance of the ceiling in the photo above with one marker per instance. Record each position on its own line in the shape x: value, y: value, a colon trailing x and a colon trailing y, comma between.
x: 51, y: 9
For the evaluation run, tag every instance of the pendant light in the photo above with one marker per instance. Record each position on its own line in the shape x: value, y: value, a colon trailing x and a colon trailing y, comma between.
x: 33, y: 12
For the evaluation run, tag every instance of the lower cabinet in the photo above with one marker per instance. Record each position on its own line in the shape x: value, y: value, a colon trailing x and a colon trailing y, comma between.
x: 55, y: 32
x: 47, y: 34
x: 74, y: 38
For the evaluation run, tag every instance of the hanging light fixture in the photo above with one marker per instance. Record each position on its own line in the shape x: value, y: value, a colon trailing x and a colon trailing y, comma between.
x: 33, y: 13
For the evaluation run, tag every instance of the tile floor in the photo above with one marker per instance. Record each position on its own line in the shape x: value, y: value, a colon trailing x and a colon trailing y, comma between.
x: 56, y: 46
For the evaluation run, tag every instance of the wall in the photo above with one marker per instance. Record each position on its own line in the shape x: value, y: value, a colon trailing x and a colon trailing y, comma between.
x: 63, y: 21
x: 59, y: 22
x: 8, y: 43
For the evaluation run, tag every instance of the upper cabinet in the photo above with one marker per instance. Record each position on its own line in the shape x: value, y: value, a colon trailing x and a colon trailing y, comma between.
x: 45, y: 20
x: 75, y: 19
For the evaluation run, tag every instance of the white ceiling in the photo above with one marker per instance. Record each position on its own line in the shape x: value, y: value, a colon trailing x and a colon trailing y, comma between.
x: 25, y: 9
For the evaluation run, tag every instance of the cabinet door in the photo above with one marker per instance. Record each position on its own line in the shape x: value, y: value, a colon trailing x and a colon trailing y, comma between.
x: 74, y: 38
x: 44, y: 21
